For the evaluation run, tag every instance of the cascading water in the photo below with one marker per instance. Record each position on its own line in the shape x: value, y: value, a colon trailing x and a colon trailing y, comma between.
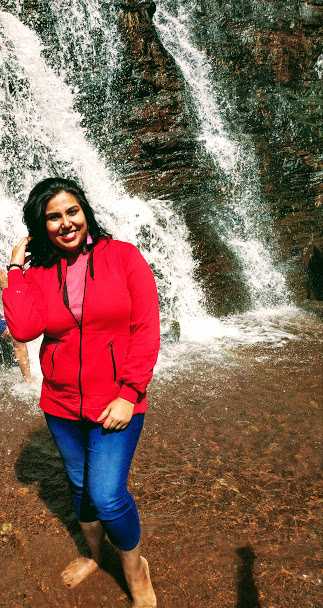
x: 77, y: 53
x: 88, y: 46
x: 41, y: 134
x: 242, y: 223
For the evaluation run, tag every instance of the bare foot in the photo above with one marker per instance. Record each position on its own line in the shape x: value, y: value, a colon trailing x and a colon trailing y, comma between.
x: 78, y: 570
x: 142, y: 592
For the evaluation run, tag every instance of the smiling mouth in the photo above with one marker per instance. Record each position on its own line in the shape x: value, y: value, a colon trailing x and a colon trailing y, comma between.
x: 68, y: 235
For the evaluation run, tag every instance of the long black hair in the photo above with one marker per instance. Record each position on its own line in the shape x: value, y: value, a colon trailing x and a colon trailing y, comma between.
x: 42, y: 250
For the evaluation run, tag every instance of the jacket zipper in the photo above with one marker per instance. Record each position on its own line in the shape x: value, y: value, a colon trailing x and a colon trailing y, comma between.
x: 79, y: 324
x: 81, y: 336
x: 113, y: 362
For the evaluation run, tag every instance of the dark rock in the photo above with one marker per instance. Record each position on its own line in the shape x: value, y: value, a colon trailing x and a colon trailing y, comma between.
x: 7, y: 354
x: 313, y: 263
x: 139, y: 5
x: 314, y: 307
x: 174, y: 332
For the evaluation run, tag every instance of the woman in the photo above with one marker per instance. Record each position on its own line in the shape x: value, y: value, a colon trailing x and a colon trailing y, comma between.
x: 95, y: 301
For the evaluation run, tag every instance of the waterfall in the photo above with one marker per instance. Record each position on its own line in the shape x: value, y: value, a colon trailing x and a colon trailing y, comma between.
x: 42, y: 135
x: 242, y: 222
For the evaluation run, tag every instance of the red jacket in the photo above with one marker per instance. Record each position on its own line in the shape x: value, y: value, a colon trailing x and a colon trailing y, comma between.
x: 111, y: 352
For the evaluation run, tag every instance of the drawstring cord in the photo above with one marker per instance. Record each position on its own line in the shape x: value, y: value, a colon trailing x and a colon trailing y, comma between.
x: 60, y: 274
x: 91, y: 264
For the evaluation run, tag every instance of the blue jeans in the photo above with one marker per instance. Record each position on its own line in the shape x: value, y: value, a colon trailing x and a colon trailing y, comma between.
x: 97, y: 463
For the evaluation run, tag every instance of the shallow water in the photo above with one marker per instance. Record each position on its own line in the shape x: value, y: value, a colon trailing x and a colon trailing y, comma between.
x: 220, y: 343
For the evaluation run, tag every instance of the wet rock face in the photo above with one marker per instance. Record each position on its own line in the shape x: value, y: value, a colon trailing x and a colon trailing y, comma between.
x: 137, y: 6
x: 266, y: 65
x: 146, y: 129
x: 288, y: 144
x: 154, y: 137
x: 155, y: 149
x: 266, y: 59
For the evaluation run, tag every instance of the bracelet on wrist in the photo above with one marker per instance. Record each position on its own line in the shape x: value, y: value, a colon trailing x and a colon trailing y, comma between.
x: 15, y: 266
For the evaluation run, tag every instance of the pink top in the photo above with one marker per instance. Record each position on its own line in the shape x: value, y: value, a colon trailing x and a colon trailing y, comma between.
x: 75, y: 282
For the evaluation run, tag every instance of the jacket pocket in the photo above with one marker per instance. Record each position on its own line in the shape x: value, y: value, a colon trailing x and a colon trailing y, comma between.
x: 53, y: 359
x: 113, y: 361
x: 47, y: 358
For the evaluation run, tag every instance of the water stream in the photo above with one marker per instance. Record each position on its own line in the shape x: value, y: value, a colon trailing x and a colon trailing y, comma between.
x: 242, y: 223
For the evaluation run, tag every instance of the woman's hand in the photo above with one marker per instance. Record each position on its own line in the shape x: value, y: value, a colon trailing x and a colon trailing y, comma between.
x: 117, y: 415
x: 19, y: 251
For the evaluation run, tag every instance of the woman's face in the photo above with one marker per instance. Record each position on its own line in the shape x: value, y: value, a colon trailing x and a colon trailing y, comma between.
x: 66, y: 223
